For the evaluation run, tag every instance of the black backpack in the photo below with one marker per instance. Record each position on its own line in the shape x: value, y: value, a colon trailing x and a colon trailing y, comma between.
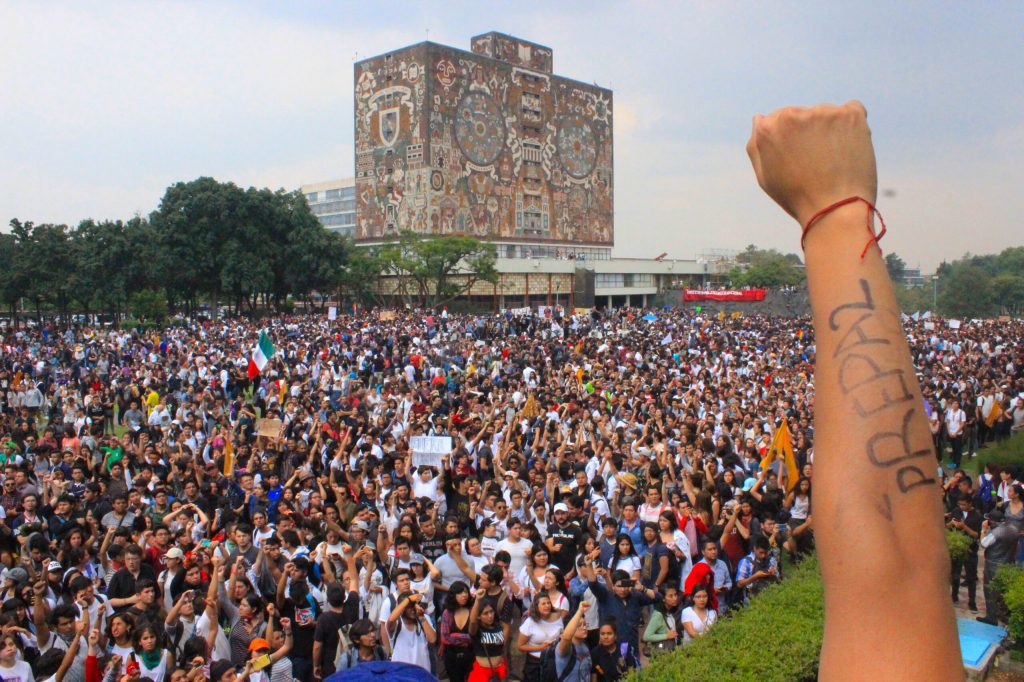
x: 548, y: 667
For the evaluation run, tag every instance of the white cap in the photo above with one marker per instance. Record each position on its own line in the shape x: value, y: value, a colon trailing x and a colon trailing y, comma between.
x: 561, y: 507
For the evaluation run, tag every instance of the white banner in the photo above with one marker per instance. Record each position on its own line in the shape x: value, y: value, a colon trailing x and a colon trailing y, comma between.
x: 332, y: 313
x: 429, y: 450
x: 954, y: 324
x: 521, y: 311
x: 929, y: 326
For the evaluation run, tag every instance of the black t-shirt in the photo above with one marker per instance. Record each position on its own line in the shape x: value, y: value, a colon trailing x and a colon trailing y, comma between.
x: 326, y: 632
x: 608, y: 666
x: 432, y: 548
x: 569, y: 536
x: 304, y: 622
x: 490, y: 643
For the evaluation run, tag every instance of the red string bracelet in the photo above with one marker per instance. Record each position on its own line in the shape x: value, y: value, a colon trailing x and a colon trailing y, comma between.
x: 872, y: 211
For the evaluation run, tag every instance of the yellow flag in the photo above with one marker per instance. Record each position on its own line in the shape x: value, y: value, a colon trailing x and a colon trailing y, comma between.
x: 229, y: 457
x: 994, y: 413
x: 782, y: 449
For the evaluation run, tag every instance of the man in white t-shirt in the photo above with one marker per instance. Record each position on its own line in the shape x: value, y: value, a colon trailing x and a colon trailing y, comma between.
x: 516, y: 546
x: 955, y: 422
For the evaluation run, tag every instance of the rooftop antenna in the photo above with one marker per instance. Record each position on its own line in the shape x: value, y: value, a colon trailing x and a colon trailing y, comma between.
x: 428, y: 34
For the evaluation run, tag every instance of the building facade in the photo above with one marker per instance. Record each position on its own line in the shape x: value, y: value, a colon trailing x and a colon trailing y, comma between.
x: 487, y: 143
x: 334, y: 203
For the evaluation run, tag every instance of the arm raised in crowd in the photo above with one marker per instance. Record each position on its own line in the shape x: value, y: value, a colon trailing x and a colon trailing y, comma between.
x: 876, y: 492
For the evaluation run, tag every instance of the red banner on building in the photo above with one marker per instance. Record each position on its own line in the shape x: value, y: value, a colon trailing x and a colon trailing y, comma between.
x: 723, y: 295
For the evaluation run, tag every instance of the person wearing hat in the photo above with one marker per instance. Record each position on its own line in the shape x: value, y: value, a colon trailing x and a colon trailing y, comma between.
x: 999, y: 539
x: 564, y: 539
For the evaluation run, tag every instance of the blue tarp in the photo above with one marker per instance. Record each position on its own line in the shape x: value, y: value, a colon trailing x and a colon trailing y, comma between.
x: 377, y: 671
x: 650, y: 317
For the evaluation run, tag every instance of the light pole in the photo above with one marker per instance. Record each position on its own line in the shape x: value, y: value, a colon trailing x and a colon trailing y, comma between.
x: 935, y: 292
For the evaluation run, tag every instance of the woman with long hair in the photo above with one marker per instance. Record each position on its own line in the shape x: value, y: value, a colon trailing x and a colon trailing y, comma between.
x: 154, y: 661
x: 488, y: 643
x: 541, y: 627
x: 625, y: 557
x: 530, y: 578
x: 701, y: 615
x: 456, y: 642
x: 120, y: 629
x: 663, y: 630
x: 676, y: 541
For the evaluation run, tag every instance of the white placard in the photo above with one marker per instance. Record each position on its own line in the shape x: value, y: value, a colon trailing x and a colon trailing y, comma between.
x: 332, y: 313
x: 929, y: 326
x: 429, y: 450
x: 954, y: 324
x: 524, y: 312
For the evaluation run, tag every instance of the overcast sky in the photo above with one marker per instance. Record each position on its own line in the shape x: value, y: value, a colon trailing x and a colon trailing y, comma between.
x: 102, y: 104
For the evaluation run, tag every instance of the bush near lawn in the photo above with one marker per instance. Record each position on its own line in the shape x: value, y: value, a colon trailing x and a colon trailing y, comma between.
x: 1009, y: 582
x: 775, y: 638
x: 1009, y: 453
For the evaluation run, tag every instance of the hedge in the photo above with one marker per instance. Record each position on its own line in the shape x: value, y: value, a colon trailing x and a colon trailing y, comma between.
x: 1009, y: 582
x: 776, y: 638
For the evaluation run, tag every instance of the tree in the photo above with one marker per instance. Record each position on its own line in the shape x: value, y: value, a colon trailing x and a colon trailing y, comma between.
x: 767, y: 268
x: 439, y: 268
x: 896, y: 266
x: 1008, y: 290
x: 149, y: 305
x: 968, y: 293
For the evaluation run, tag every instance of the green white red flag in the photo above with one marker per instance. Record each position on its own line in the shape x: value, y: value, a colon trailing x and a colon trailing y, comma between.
x: 261, y: 355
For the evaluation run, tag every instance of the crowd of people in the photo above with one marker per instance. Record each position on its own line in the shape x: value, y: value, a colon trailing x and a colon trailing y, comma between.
x: 603, y: 499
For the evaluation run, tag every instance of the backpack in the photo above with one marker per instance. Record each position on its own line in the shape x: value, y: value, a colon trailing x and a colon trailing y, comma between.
x: 548, y: 667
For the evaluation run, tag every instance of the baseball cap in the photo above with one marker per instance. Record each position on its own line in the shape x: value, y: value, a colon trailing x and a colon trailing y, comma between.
x: 17, y: 574
x: 54, y: 566
x: 416, y: 559
x: 174, y: 553
x: 561, y: 506
x: 361, y: 525
x: 996, y: 515
x: 258, y: 643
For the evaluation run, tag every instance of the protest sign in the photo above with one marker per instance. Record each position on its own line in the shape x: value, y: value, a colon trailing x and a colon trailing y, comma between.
x: 332, y: 313
x: 269, y: 428
x: 388, y: 315
x: 954, y: 324
x: 429, y: 450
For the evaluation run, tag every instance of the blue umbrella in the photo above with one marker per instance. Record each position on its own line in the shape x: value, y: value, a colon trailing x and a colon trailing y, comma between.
x: 375, y: 671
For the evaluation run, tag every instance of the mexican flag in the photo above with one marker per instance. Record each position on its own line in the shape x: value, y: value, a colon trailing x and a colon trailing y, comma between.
x: 261, y: 355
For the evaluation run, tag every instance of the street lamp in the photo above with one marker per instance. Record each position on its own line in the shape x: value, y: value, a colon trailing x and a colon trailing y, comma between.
x: 935, y: 292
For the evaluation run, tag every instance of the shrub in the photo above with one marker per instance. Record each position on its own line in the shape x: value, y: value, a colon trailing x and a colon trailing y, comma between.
x: 776, y: 638
x: 958, y: 543
x: 1009, y: 582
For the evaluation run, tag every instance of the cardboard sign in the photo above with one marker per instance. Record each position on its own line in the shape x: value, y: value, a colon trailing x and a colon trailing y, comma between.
x: 269, y: 428
x: 430, y: 450
x: 332, y: 313
x: 388, y: 315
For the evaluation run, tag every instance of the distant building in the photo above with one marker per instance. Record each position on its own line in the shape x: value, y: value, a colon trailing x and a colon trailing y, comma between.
x: 334, y: 203
x: 912, y: 277
x: 487, y: 143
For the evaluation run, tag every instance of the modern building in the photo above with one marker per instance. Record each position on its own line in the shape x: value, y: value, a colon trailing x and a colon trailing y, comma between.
x: 334, y: 203
x: 488, y: 143
x: 492, y: 144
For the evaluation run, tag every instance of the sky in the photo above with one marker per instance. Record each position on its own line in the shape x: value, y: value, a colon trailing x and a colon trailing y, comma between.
x: 105, y: 104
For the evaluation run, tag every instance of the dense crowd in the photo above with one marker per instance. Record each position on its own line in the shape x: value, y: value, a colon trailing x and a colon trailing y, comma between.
x: 603, y: 499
